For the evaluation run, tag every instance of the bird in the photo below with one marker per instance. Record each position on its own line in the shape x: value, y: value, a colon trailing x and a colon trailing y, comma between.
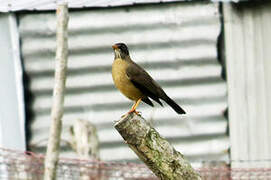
x: 135, y: 83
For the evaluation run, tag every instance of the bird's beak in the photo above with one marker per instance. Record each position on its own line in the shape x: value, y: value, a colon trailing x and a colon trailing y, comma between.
x: 115, y: 46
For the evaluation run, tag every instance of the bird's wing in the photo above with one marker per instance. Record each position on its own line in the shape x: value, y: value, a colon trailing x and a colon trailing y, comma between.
x: 144, y: 82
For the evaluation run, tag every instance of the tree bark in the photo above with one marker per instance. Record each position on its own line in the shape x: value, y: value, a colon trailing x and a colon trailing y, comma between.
x: 155, y: 151
x: 58, y: 95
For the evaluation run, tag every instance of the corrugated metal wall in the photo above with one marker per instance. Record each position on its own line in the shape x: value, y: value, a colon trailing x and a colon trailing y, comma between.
x: 248, y: 53
x: 176, y: 43
x: 13, y: 5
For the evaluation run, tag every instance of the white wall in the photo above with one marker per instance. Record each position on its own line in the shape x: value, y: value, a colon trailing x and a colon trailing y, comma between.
x: 11, y: 94
x: 248, y: 59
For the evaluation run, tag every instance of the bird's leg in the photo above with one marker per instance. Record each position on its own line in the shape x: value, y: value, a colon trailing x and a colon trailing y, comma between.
x: 133, y: 109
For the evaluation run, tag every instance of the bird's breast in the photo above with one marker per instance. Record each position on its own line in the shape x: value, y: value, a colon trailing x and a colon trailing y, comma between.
x: 122, y: 82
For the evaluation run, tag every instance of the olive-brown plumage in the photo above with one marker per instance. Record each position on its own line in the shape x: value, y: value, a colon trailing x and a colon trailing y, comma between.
x: 135, y: 83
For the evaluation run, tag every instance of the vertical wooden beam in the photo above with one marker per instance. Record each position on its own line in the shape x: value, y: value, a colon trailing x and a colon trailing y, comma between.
x: 248, y: 61
x: 58, y: 95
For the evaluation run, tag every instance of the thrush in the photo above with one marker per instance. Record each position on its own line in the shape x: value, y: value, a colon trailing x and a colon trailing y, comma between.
x: 135, y: 83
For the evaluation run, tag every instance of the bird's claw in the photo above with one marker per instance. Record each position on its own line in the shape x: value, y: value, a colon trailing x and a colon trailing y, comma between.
x: 134, y: 111
x: 130, y: 112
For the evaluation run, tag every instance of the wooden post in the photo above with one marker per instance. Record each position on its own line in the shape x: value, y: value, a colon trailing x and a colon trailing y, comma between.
x: 155, y: 151
x: 85, y: 139
x: 58, y: 95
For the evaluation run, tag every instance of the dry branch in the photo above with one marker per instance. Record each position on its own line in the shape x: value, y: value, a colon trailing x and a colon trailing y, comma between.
x: 58, y: 95
x: 155, y: 151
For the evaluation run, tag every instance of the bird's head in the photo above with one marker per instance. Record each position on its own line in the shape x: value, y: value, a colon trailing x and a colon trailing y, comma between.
x: 120, y: 50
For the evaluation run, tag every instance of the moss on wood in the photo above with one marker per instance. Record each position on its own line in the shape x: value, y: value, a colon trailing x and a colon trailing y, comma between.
x: 155, y: 151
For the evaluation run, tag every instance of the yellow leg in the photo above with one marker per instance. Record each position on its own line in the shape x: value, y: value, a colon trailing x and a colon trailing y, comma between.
x: 133, y: 109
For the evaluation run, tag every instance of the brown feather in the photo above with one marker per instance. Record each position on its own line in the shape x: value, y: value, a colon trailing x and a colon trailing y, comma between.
x: 145, y: 83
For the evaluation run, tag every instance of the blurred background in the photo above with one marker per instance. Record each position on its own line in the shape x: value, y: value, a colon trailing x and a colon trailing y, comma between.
x: 213, y: 58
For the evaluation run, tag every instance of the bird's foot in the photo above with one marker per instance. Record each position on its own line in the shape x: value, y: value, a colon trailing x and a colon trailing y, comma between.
x: 134, y: 111
x: 130, y: 112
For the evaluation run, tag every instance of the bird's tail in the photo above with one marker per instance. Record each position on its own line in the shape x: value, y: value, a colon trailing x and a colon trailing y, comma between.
x: 174, y: 105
